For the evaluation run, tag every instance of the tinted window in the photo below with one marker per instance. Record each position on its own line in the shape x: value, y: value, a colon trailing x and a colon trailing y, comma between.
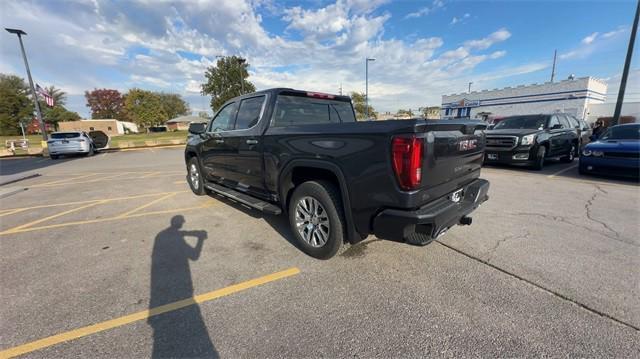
x: 249, y: 112
x: 622, y: 133
x: 565, y: 123
x: 573, y: 122
x: 294, y: 110
x: 521, y: 122
x: 553, y: 121
x: 224, y: 119
x: 65, y: 135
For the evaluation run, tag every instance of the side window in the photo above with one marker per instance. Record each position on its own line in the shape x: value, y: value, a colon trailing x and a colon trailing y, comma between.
x: 573, y: 122
x: 249, y: 112
x: 224, y: 119
x: 565, y: 123
x: 553, y: 121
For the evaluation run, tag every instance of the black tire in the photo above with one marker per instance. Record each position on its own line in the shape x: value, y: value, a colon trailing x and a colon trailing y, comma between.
x: 195, y: 180
x: 328, y: 196
x: 54, y: 157
x: 542, y: 152
x: 569, y: 157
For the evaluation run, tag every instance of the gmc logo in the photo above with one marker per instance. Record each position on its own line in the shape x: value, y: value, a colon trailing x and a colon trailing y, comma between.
x: 466, y: 145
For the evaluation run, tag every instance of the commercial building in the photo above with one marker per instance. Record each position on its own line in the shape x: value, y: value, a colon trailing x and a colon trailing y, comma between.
x: 573, y: 95
x: 182, y: 123
x: 109, y: 126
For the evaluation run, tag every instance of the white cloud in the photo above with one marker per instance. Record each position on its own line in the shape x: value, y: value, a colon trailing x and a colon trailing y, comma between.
x: 424, y: 11
x: 162, y: 46
x: 456, y: 20
x: 484, y: 43
x: 589, y: 39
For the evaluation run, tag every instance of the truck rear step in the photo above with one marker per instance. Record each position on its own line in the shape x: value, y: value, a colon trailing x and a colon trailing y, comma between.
x: 243, y: 198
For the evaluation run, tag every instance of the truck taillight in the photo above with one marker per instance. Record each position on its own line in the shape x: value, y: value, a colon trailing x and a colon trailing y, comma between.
x: 406, y: 153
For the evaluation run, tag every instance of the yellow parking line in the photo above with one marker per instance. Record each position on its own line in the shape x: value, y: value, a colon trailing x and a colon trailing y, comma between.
x: 145, y: 205
x: 89, y: 201
x: 150, y: 174
x: 98, y: 220
x: 180, y: 182
x: 9, y: 212
x: 142, y: 315
x: 26, y: 225
x: 62, y: 180
x: 101, y: 180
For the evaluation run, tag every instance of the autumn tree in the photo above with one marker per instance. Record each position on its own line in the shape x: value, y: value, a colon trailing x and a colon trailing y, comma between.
x: 173, y: 105
x: 226, y: 80
x: 15, y: 104
x: 359, y: 105
x: 105, y: 103
x: 144, y: 108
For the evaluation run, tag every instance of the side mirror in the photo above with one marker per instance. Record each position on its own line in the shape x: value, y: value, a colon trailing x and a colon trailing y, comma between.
x: 557, y: 126
x: 196, y: 128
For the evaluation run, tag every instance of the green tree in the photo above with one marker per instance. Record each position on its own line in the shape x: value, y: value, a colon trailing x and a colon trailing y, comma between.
x: 173, y: 105
x: 203, y: 114
x: 226, y: 80
x: 403, y: 112
x: 359, y: 105
x: 431, y: 112
x: 144, y: 108
x: 57, y: 114
x: 15, y: 104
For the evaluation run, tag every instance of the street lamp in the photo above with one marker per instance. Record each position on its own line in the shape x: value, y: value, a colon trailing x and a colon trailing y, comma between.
x: 33, y: 90
x: 366, y: 86
x: 241, y: 61
x: 470, y: 86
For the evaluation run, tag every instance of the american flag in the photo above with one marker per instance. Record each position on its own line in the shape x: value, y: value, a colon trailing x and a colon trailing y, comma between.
x: 47, y: 98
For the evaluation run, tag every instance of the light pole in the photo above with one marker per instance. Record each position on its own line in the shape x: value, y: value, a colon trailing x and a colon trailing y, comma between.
x: 241, y: 61
x: 33, y: 90
x: 470, y: 86
x: 625, y: 71
x: 366, y: 86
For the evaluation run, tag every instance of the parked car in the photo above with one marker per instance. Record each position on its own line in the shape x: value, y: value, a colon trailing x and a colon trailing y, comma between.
x: 531, y: 139
x: 304, y: 154
x: 616, y: 152
x: 583, y: 130
x: 73, y: 143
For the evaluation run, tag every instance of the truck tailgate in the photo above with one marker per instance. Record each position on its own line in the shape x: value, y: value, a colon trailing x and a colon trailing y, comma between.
x: 453, y: 155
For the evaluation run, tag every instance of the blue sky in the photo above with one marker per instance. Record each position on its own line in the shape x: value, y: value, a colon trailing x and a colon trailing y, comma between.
x: 423, y: 49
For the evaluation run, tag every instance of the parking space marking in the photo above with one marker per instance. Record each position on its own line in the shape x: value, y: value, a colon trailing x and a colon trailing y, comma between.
x: 142, y: 315
x: 62, y: 181
x: 27, y: 225
x: 207, y: 204
x: 125, y: 214
x: 562, y: 171
x: 16, y: 210
x: 101, y: 179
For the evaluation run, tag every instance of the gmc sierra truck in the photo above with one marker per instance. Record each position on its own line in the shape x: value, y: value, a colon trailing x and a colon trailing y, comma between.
x: 337, y: 179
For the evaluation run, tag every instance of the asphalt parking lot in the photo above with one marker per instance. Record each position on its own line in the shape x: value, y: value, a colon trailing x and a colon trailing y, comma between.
x: 112, y: 256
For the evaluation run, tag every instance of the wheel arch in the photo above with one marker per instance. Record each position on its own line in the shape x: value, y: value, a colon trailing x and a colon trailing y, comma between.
x: 299, y: 171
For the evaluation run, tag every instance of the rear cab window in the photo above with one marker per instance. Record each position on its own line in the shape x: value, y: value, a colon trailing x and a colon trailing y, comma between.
x: 296, y: 110
x: 64, y: 135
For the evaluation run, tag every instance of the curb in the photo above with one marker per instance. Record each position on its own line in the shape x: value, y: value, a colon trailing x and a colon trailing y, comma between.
x: 22, y: 178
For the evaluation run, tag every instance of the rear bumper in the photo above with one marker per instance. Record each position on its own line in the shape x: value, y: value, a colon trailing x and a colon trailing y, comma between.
x: 432, y: 219
x: 69, y: 149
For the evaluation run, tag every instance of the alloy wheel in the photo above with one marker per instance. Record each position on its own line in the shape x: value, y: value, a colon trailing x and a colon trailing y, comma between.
x: 312, y: 222
x: 194, y: 177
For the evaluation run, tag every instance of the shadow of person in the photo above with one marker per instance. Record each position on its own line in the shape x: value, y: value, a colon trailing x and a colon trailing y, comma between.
x: 180, y: 333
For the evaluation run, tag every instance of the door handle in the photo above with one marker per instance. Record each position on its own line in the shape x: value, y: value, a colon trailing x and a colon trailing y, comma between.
x: 219, y: 141
x: 252, y: 142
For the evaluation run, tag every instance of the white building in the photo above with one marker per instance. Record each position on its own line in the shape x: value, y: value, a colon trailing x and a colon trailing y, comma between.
x: 574, y: 96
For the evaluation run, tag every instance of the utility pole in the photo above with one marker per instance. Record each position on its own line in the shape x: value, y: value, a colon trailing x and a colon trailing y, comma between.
x: 470, y: 86
x: 366, y: 86
x: 553, y: 68
x: 341, y: 89
x: 241, y: 62
x: 33, y: 89
x: 625, y: 71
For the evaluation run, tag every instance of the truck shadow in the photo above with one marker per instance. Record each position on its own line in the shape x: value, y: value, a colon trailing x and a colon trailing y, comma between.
x: 179, y: 333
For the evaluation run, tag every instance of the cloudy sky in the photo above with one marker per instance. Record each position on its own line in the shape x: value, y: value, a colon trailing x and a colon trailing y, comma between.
x: 423, y: 49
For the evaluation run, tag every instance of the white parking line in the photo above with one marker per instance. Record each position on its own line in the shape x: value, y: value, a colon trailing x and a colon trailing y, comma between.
x: 562, y: 171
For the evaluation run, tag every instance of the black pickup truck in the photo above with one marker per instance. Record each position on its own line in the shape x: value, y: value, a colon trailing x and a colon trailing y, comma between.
x: 338, y: 179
